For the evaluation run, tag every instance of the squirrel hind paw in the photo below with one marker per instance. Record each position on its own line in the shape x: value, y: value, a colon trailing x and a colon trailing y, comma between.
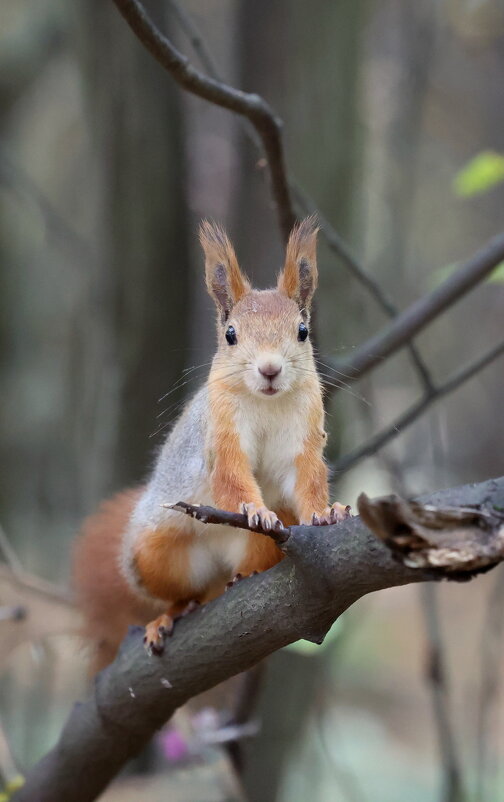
x: 238, y: 578
x: 162, y: 627
x: 156, y: 632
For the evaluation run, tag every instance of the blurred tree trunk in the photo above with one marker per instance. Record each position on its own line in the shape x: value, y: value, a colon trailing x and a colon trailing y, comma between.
x: 140, y: 298
x: 307, y: 56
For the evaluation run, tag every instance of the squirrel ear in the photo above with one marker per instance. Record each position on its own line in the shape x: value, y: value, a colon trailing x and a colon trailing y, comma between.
x: 298, y: 279
x: 224, y: 279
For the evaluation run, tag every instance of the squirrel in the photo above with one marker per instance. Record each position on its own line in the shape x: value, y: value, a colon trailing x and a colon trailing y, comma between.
x: 251, y: 440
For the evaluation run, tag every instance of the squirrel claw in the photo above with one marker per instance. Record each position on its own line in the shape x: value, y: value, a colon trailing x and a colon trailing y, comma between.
x: 156, y: 632
x: 261, y: 517
x: 233, y: 581
x: 162, y: 627
x: 189, y: 608
x: 238, y: 577
x: 332, y: 515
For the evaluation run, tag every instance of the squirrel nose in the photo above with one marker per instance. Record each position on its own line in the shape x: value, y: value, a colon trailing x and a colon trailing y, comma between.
x: 270, y: 371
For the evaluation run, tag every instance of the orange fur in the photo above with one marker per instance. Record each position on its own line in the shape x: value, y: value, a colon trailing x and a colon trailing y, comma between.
x: 224, y: 279
x: 161, y: 560
x: 232, y: 480
x: 103, y: 594
x: 312, y: 480
x: 299, y: 277
x: 261, y: 554
x: 162, y: 563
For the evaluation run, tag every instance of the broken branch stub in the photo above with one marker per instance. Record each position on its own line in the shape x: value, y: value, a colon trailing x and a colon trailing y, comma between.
x: 448, y: 540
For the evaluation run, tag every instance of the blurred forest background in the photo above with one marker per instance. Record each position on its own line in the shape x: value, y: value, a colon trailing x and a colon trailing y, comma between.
x: 394, y: 125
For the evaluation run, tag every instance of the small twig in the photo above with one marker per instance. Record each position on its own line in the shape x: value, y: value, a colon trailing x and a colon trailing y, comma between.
x: 337, y: 244
x: 302, y: 200
x: 211, y: 515
x: 437, y: 678
x: 11, y: 775
x: 249, y: 688
x: 396, y: 428
x: 9, y: 554
x: 251, y: 106
x: 12, y: 613
x: 21, y: 183
x: 422, y: 312
x: 491, y: 652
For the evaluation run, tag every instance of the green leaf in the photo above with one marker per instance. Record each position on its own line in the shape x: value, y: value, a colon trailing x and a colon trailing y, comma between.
x: 480, y: 174
x: 442, y: 273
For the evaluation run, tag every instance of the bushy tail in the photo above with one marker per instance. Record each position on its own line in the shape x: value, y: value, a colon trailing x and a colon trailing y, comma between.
x: 107, y: 603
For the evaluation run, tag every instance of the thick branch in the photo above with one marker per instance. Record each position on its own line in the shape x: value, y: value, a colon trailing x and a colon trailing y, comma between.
x: 251, y: 106
x: 422, y: 312
x: 326, y: 569
x: 396, y: 428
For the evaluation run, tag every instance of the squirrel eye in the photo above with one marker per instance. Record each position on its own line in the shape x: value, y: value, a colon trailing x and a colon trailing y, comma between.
x: 302, y: 332
x: 231, y: 336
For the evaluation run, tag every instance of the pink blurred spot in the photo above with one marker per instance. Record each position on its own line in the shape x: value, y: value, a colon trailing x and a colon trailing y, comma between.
x: 173, y: 746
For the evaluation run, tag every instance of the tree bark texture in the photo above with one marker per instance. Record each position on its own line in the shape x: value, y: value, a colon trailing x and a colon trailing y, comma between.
x: 326, y: 570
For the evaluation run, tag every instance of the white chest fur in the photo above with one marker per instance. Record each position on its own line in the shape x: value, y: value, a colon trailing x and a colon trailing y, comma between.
x: 272, y: 433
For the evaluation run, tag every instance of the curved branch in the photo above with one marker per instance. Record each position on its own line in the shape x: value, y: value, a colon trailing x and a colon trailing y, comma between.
x: 337, y: 244
x: 304, y: 203
x: 326, y: 569
x: 422, y: 312
x: 251, y: 106
x: 379, y: 440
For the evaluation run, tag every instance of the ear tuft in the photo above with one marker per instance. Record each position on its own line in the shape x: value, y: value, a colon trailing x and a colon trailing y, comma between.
x: 224, y: 279
x: 299, y: 277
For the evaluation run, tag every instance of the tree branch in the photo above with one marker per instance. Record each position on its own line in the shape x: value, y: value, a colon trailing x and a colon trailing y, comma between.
x: 326, y: 570
x: 422, y: 312
x: 210, y: 515
x: 251, y: 106
x: 304, y: 203
x: 396, y: 428
x: 265, y: 129
x: 341, y: 249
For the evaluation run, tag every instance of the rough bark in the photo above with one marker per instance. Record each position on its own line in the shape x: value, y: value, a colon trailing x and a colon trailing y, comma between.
x: 325, y: 571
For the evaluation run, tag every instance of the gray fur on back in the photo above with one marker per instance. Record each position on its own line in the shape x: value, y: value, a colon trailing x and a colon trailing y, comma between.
x: 180, y: 472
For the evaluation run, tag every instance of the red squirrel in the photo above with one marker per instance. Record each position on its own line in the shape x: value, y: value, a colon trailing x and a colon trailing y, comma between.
x: 251, y: 440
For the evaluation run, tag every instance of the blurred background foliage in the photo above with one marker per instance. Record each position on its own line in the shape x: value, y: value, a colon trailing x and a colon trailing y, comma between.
x: 394, y: 125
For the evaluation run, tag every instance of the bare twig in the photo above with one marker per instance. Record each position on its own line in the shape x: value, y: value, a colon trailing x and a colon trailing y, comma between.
x: 491, y: 654
x: 251, y: 106
x: 341, y: 249
x: 325, y: 570
x: 14, y: 612
x: 453, y: 790
x: 11, y: 776
x: 9, y: 553
x: 249, y: 689
x: 210, y: 515
x: 13, y: 175
x: 304, y: 203
x: 422, y: 312
x: 396, y: 428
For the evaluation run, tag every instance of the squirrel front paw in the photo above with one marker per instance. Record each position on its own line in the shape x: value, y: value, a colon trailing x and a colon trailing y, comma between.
x: 261, y: 517
x: 331, y: 515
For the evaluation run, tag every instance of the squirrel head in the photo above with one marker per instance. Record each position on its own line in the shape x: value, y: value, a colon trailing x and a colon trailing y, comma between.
x: 263, y: 335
